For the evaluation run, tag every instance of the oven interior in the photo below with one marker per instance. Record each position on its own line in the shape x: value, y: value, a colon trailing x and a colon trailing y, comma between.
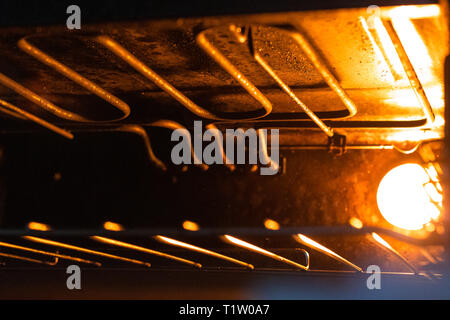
x: 86, y: 175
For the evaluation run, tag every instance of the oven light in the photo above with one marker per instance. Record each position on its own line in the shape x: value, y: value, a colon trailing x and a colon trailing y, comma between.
x: 190, y: 225
x: 271, y: 224
x: 403, y: 199
x: 112, y: 226
x: 38, y: 226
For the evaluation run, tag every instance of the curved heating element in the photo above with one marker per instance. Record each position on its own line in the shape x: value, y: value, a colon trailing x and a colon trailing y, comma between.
x: 385, y: 245
x: 18, y: 113
x: 72, y: 75
x: 140, y: 131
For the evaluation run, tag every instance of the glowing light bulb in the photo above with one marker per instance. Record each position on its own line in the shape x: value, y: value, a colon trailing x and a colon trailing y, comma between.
x: 190, y: 225
x: 403, y: 200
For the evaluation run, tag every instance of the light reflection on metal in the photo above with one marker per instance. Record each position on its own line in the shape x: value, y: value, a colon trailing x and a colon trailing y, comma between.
x: 201, y: 250
x: 172, y: 125
x: 140, y: 131
x: 237, y: 31
x: 384, y: 244
x: 217, y: 56
x: 317, y: 246
x: 147, y: 72
x: 18, y: 113
x: 219, y: 139
x: 404, y: 98
x: 251, y: 247
x: 271, y: 224
x: 112, y: 226
x: 413, y: 12
x: 80, y: 249
x: 190, y: 225
x: 16, y: 257
x: 38, y: 226
x: 383, y: 42
x: 51, y: 254
x: 414, y: 135
x: 145, y: 250
x: 264, y: 154
x: 432, y: 172
x: 326, y: 74
x: 416, y: 84
x: 74, y: 76
x: 39, y: 100
x: 356, y: 223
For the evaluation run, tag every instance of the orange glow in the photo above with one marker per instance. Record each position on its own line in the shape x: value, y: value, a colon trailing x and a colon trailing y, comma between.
x: 403, y: 200
x: 387, y: 246
x: 190, y: 225
x: 406, y: 98
x: 408, y: 57
x: 264, y: 252
x: 431, y: 170
x: 38, y: 226
x: 386, y: 46
x: 414, y: 47
x: 271, y: 224
x: 381, y: 241
x: 201, y: 250
x: 142, y: 249
x: 112, y: 226
x: 414, y: 12
x: 317, y: 246
x: 355, y: 223
x: 80, y: 249
x: 433, y: 192
x: 414, y: 135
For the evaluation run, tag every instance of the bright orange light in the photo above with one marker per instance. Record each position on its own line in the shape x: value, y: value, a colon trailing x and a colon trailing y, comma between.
x: 190, y: 225
x: 403, y: 200
x: 112, y: 226
x: 251, y: 247
x: 355, y: 223
x: 80, y: 249
x: 201, y: 250
x: 381, y: 241
x: 38, y: 226
x: 271, y: 224
x: 414, y: 12
x: 317, y: 246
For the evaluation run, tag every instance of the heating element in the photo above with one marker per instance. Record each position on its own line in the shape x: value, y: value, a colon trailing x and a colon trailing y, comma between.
x: 356, y: 93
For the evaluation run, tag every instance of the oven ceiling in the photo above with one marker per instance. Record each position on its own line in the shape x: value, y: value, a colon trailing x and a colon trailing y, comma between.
x: 371, y: 76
